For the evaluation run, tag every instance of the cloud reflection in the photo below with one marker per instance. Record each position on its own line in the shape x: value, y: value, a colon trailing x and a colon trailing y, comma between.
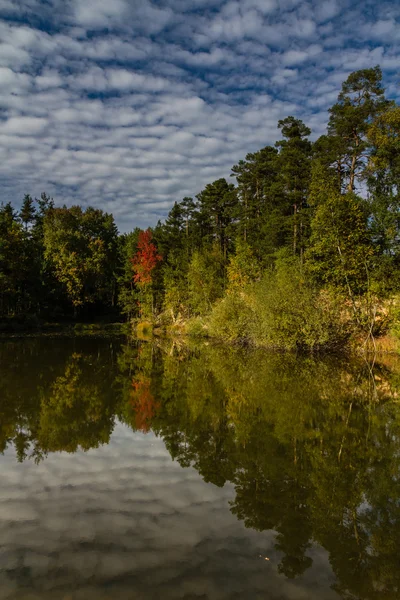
x: 124, y: 521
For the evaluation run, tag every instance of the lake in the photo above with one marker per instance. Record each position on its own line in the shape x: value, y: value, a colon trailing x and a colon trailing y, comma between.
x: 139, y: 470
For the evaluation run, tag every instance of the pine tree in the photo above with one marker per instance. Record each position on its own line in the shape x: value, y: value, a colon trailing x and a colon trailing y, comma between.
x: 27, y: 212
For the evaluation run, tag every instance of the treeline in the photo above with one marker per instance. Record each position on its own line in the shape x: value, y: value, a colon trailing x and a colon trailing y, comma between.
x: 56, y: 261
x: 302, y: 250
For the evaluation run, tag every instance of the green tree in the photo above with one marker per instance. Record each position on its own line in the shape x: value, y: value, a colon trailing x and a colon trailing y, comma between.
x: 27, y: 212
x: 383, y: 173
x: 359, y: 102
x: 340, y: 251
x: 127, y: 290
x: 295, y: 164
x: 81, y: 248
x: 205, y: 280
x: 217, y: 209
x: 13, y: 263
x: 261, y: 209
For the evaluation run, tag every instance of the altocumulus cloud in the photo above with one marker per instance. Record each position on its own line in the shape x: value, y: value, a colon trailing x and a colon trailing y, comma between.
x: 130, y: 105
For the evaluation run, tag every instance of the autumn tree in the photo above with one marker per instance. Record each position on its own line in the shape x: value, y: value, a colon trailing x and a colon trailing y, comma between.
x: 143, y: 264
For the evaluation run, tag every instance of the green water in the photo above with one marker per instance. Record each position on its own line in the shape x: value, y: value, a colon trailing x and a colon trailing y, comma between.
x: 142, y: 471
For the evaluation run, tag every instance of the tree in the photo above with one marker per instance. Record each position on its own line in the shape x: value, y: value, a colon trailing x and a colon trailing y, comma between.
x: 143, y: 264
x: 295, y: 164
x: 242, y: 269
x: 360, y: 100
x: 262, y: 212
x: 81, y: 248
x: 340, y: 250
x: 217, y: 204
x: 12, y: 261
x: 27, y: 212
x: 126, y: 288
x: 204, y: 280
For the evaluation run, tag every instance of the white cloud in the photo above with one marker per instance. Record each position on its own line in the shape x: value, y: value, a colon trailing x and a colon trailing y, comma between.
x: 23, y: 126
x: 135, y: 104
x: 99, y: 13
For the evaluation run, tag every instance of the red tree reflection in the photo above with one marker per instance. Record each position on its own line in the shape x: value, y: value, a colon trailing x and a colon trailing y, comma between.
x: 143, y: 403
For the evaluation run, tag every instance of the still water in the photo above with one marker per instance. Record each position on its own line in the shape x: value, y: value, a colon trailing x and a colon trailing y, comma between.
x: 143, y: 471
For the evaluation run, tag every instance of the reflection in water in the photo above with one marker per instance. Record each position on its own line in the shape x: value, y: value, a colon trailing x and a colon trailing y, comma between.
x: 308, y: 452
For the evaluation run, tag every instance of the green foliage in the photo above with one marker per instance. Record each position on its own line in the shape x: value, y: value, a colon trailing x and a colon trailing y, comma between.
x: 341, y: 249
x: 27, y: 213
x: 243, y: 268
x: 282, y: 311
x: 291, y: 314
x: 81, y: 247
x: 12, y: 254
x: 196, y: 327
x: 217, y: 204
x: 127, y: 291
x: 176, y: 292
x: 360, y: 100
x: 204, y: 280
x: 232, y: 319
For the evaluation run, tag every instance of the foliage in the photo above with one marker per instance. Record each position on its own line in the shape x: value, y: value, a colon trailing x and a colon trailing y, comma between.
x: 243, y: 268
x: 81, y: 247
x: 340, y: 250
x: 144, y: 262
x: 232, y: 318
x: 291, y: 314
x: 204, y: 280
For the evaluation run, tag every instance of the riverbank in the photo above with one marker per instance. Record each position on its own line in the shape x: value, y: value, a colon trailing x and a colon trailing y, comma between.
x: 35, y: 328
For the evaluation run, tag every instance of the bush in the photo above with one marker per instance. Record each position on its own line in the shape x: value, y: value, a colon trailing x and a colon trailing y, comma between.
x: 283, y: 311
x: 231, y: 318
x: 291, y: 314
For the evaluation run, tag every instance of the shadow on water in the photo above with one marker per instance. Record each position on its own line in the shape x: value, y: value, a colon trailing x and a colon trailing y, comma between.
x: 311, y: 447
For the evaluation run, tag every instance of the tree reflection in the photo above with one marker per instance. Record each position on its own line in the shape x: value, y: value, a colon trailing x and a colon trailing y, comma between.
x: 311, y: 447
x: 63, y: 402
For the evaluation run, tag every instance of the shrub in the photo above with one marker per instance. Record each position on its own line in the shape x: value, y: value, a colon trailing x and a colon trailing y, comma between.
x: 231, y: 318
x: 291, y: 313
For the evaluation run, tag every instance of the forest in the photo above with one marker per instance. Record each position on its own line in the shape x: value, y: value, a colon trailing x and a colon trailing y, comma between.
x: 300, y: 249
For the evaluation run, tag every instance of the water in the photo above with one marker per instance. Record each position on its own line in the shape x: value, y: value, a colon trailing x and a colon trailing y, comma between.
x: 141, y: 471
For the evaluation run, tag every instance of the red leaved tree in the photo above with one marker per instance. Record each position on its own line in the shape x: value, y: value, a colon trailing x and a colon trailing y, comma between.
x: 145, y: 259
x: 143, y: 263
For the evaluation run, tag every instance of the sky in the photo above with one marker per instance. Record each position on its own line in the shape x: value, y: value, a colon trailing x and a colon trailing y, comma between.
x: 131, y: 105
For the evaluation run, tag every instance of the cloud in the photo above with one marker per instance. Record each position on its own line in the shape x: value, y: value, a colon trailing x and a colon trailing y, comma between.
x: 327, y: 10
x: 130, y: 106
x: 24, y: 126
x: 99, y: 13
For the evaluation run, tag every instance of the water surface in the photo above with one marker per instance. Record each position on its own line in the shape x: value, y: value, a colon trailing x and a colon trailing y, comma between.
x: 134, y: 470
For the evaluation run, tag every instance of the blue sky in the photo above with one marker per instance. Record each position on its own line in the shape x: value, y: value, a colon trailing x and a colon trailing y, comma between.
x: 129, y: 105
